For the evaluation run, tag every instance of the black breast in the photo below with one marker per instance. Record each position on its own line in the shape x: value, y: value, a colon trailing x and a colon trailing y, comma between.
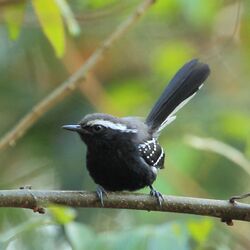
x: 117, y: 166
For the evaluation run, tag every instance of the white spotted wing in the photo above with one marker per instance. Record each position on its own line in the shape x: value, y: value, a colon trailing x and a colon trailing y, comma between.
x: 152, y: 153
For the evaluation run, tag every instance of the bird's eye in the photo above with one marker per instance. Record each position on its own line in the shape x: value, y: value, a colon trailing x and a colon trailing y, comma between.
x: 97, y: 128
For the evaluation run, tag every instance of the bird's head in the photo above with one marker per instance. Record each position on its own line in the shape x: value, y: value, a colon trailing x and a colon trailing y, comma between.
x: 96, y: 128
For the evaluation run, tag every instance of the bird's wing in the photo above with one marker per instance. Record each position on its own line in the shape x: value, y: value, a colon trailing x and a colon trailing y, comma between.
x: 152, y: 153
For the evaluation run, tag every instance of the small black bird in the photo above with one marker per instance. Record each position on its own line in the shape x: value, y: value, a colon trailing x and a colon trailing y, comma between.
x: 123, y: 153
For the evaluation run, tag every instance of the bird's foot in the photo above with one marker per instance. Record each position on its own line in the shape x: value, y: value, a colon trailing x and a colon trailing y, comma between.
x: 100, y: 191
x: 156, y: 194
x: 238, y: 197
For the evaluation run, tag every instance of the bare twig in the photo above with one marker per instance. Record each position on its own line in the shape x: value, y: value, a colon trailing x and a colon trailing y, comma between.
x: 221, y: 148
x: 10, y: 2
x: 208, y: 207
x: 70, y: 84
x: 238, y: 197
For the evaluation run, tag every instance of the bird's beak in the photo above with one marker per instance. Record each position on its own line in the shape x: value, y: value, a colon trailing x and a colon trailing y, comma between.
x: 76, y: 128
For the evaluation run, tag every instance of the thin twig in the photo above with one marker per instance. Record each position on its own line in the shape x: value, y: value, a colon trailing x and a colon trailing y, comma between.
x: 221, y: 148
x: 177, y: 204
x: 10, y: 2
x: 238, y: 197
x: 74, y: 80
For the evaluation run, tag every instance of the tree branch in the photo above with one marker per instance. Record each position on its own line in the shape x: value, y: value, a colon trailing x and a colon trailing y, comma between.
x: 36, y: 199
x: 74, y: 80
x: 10, y: 2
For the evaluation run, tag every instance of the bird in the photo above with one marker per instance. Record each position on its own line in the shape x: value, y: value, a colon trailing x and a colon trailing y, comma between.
x: 123, y: 154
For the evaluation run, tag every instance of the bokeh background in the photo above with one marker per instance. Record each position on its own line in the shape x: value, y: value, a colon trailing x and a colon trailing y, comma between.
x: 36, y: 55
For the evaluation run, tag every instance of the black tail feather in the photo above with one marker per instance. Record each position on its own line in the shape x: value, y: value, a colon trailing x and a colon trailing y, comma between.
x: 184, y: 84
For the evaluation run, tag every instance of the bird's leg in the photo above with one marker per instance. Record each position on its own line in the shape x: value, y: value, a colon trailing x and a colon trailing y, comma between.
x: 156, y: 194
x: 238, y: 197
x: 100, y: 191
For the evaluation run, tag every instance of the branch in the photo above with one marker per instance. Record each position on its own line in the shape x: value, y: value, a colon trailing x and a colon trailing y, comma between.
x: 221, y: 148
x: 74, y: 80
x: 36, y: 199
x: 10, y: 2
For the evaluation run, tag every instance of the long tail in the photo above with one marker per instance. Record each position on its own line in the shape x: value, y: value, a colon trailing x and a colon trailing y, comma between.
x: 184, y: 85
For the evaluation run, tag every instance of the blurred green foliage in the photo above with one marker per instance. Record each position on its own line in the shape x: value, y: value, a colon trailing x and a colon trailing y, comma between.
x: 127, y: 82
x: 50, y: 18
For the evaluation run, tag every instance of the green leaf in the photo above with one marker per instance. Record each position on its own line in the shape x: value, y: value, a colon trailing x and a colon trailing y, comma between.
x: 13, y: 15
x: 51, y: 21
x: 200, y: 230
x: 68, y: 15
x: 62, y: 214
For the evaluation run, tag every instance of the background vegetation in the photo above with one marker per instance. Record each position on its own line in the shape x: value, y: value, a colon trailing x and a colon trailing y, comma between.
x: 43, y: 42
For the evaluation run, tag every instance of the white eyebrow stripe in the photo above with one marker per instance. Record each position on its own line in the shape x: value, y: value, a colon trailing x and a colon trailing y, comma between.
x: 112, y: 125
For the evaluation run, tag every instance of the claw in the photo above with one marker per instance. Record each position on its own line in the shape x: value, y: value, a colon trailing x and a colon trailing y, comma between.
x: 100, y: 191
x: 157, y: 195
